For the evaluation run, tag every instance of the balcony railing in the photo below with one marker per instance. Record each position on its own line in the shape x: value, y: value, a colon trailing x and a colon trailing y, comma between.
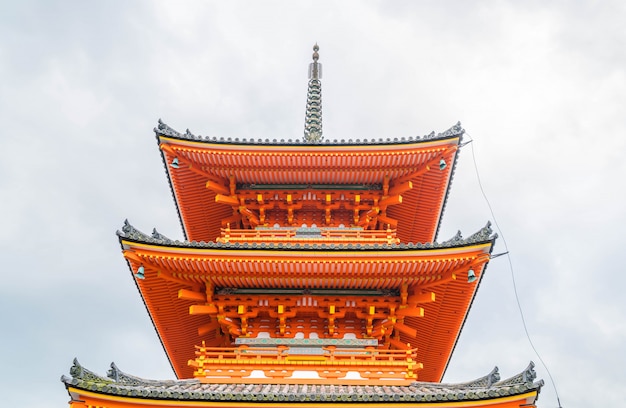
x: 333, y: 365
x: 309, y: 235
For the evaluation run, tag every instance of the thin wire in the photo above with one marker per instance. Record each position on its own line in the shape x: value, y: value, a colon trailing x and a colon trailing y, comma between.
x: 506, y: 248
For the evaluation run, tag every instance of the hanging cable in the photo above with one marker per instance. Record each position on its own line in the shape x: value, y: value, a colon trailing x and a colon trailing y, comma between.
x: 506, y: 248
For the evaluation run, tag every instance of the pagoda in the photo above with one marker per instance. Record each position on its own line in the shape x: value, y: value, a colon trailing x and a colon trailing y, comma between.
x: 309, y: 275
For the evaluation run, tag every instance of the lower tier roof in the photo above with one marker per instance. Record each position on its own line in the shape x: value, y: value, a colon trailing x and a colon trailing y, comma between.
x: 87, y: 386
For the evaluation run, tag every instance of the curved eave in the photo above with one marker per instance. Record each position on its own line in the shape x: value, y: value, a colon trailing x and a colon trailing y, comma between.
x: 441, y: 340
x: 255, y: 267
x: 154, y: 322
x: 462, y: 325
x: 420, y: 213
x: 444, y: 201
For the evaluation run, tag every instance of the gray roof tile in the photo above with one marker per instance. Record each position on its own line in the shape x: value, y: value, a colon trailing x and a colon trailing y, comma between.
x: 163, y: 129
x: 120, y: 383
x: 131, y: 233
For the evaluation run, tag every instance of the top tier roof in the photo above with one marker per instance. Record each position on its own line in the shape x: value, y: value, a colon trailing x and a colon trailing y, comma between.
x: 322, y: 166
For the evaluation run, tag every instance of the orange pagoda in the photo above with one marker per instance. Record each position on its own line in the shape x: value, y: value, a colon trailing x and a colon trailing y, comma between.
x: 309, y: 275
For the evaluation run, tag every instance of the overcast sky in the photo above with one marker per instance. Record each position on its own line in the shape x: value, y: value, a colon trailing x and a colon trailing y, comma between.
x: 540, y: 88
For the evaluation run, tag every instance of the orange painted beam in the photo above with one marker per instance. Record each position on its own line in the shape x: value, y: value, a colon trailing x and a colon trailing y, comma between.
x: 386, y: 220
x: 401, y: 188
x: 228, y: 200
x: 391, y: 200
x: 422, y: 298
x: 403, y: 328
x: 185, y: 294
x: 399, y: 345
x: 218, y: 188
x: 202, y: 309
x: 411, y: 311
x: 207, y: 328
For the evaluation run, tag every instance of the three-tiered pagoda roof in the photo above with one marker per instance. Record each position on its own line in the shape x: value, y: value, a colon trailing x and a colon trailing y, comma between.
x: 309, y: 273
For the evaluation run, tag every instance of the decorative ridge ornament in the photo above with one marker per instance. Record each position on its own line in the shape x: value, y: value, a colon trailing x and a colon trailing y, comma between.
x: 158, y: 236
x: 453, y: 131
x: 163, y: 129
x: 77, y: 371
x: 485, y: 382
x: 525, y: 377
x: 121, y: 377
x: 484, y: 234
x: 313, y: 118
x: 457, y: 238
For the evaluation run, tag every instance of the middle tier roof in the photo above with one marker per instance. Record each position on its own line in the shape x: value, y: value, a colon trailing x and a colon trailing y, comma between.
x: 440, y: 269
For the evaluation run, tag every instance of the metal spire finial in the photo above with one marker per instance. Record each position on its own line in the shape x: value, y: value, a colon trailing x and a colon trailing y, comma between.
x: 313, y: 119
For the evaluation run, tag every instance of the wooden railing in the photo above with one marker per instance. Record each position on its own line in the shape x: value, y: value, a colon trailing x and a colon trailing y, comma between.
x: 236, y: 364
x: 325, y: 235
